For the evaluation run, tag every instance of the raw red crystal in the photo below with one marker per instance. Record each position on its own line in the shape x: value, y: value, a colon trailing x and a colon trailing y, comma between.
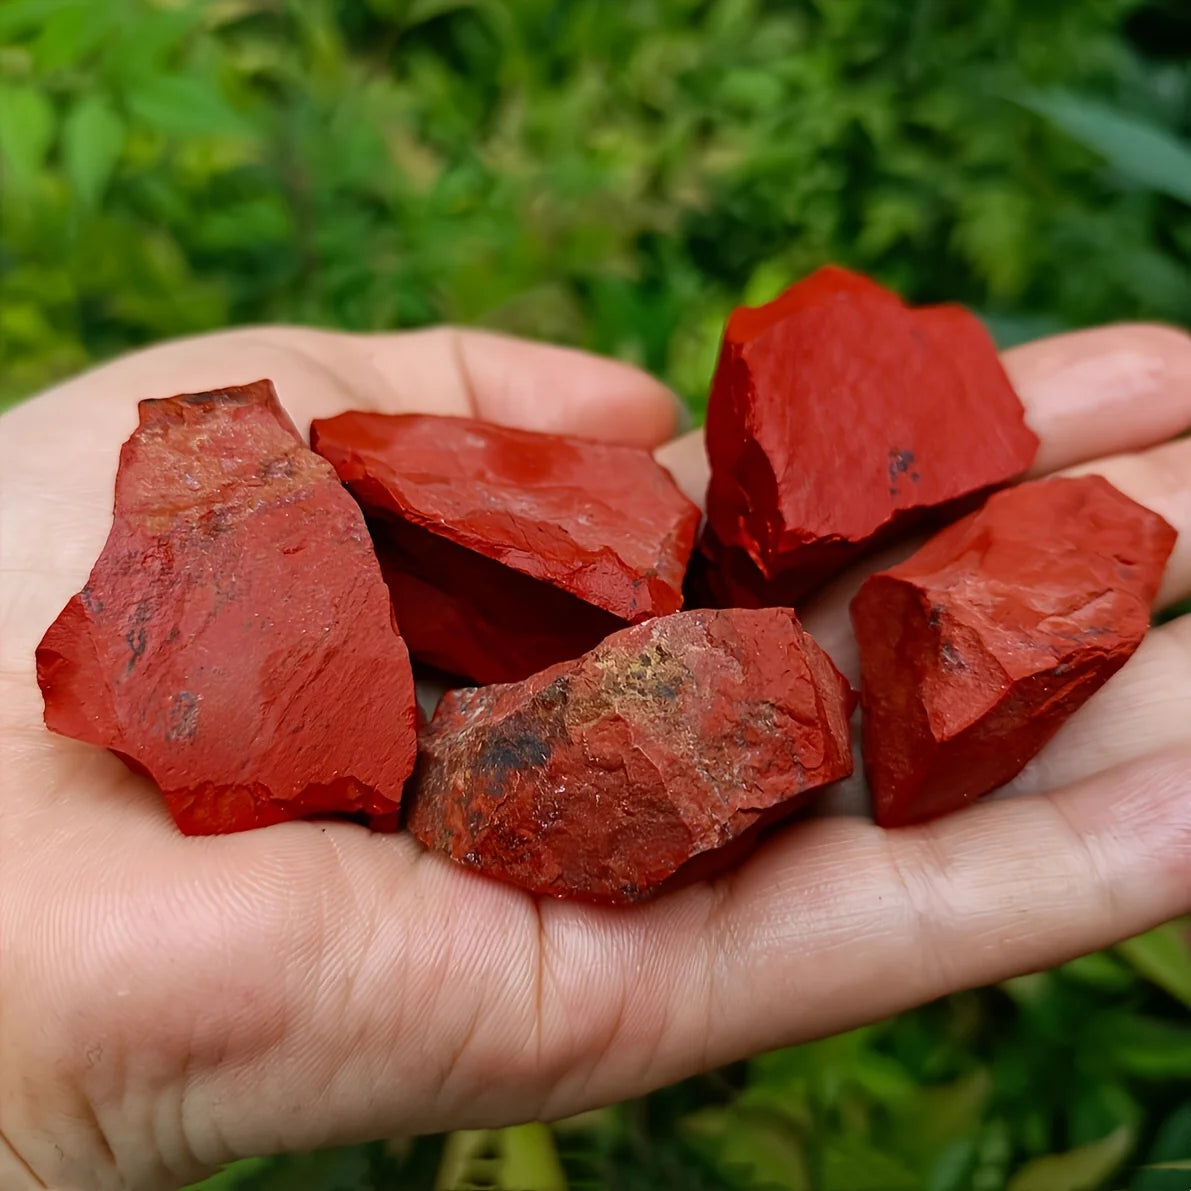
x: 837, y: 415
x: 235, y: 641
x: 600, y: 777
x: 976, y: 649
x: 506, y: 551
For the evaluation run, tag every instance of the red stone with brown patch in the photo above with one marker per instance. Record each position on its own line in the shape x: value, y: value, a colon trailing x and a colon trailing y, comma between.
x: 600, y: 778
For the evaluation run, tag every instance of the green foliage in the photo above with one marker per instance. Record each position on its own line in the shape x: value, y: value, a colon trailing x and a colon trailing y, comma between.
x: 1136, y: 149
x: 610, y: 175
x: 1082, y: 1169
x: 1163, y: 956
x: 619, y: 175
x: 521, y: 1156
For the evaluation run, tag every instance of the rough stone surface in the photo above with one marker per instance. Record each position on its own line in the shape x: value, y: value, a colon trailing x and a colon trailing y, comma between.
x: 976, y: 649
x: 838, y: 415
x: 601, y: 777
x: 235, y: 640
x: 507, y: 551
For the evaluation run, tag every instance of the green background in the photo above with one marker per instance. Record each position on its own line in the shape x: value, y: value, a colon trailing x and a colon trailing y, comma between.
x: 619, y: 174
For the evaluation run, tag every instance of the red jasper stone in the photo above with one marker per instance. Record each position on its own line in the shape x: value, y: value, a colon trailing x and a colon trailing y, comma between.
x: 507, y: 551
x: 600, y: 777
x: 235, y: 640
x: 838, y: 415
x: 976, y: 649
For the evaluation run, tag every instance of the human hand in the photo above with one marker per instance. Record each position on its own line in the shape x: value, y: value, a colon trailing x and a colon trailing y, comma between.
x: 171, y: 1003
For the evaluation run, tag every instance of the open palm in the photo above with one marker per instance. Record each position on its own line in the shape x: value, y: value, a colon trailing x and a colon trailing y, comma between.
x: 170, y: 1003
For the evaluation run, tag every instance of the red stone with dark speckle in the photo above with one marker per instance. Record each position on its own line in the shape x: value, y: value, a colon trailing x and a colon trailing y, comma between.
x: 600, y: 778
x: 235, y: 640
x: 838, y: 415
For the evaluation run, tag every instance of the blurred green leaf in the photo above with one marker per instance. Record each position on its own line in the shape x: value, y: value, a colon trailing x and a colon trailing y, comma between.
x: 932, y: 1119
x: 346, y: 1169
x: 26, y: 133
x: 92, y: 138
x: 1135, y: 148
x: 154, y: 36
x: 1150, y: 1048
x: 753, y: 1148
x: 183, y: 105
x: 1168, y: 1159
x: 1082, y: 1169
x: 768, y: 280
x: 1101, y: 969
x: 1098, y: 1107
x: 1163, y: 956
x: 73, y: 31
x: 417, y: 12
x: 853, y: 1164
x: 17, y: 16
x: 233, y: 1176
x: 520, y: 1158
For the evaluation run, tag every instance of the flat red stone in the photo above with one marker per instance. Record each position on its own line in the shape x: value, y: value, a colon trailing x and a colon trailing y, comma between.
x: 601, y: 777
x: 506, y: 551
x: 838, y: 415
x: 235, y: 641
x: 976, y: 649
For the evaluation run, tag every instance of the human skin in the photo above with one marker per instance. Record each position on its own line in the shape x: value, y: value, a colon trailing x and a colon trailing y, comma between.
x: 171, y: 1003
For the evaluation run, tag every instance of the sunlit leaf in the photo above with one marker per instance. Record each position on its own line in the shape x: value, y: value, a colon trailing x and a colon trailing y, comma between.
x: 71, y: 33
x: 520, y: 1158
x: 1084, y: 1168
x: 183, y: 105
x: 26, y: 133
x: 156, y: 36
x: 1163, y: 956
x: 92, y: 137
x: 20, y: 16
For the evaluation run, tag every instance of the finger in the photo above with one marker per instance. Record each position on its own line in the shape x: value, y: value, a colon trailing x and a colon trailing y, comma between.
x: 1101, y: 391
x: 1086, y: 394
x: 564, y: 391
x: 445, y: 370
x: 686, y: 460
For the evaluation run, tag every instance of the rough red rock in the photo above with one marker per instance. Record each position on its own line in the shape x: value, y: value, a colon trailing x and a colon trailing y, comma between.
x: 235, y: 640
x: 976, y: 649
x: 506, y: 551
x: 601, y: 777
x: 837, y: 415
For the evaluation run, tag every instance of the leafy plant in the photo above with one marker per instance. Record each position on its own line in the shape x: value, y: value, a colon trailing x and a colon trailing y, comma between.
x: 615, y: 176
